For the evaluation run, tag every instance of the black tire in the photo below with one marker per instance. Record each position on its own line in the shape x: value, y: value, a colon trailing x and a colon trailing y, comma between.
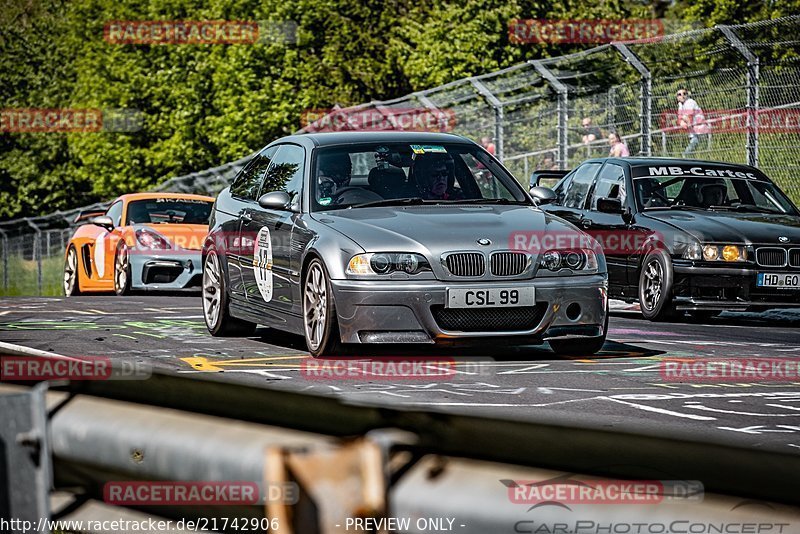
x: 582, y: 346
x: 320, y: 324
x: 71, y: 285
x: 655, y: 286
x: 122, y: 270
x: 216, y: 302
x: 703, y: 316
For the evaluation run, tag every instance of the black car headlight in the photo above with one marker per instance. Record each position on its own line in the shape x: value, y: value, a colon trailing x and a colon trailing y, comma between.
x: 578, y: 260
x: 379, y: 263
x: 715, y: 252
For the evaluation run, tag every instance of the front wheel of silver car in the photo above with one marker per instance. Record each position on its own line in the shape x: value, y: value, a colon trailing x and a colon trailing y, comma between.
x: 216, y: 311
x: 319, y: 312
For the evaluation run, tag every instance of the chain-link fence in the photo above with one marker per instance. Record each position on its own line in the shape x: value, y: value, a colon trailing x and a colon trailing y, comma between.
x: 556, y: 112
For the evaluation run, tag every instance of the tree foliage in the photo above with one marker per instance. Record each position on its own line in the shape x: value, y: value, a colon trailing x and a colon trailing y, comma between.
x: 205, y: 105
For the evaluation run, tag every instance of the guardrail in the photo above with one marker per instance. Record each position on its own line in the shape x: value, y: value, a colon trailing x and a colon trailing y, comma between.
x: 187, y: 427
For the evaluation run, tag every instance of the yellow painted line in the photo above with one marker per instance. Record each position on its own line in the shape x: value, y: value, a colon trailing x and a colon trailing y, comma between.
x: 160, y: 310
x: 269, y: 359
x: 204, y: 364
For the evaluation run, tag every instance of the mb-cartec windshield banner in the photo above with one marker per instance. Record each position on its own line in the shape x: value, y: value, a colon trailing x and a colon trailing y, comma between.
x: 691, y: 170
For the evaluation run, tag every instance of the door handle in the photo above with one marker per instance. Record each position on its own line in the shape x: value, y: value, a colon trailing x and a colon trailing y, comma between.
x: 246, y: 217
x: 586, y: 223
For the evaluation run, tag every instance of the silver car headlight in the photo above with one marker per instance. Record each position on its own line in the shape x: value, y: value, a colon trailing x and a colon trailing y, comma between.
x: 379, y: 263
x: 582, y: 261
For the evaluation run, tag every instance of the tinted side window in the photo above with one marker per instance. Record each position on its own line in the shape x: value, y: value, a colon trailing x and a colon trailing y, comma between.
x: 610, y: 184
x: 286, y: 172
x: 578, y: 188
x: 246, y: 184
x: 115, y: 212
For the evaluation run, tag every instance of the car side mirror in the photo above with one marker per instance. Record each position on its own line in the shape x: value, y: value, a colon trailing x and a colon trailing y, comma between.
x: 275, y: 200
x: 543, y: 195
x: 103, y: 221
x: 609, y: 205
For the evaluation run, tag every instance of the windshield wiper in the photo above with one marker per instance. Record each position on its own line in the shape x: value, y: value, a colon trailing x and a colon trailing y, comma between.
x: 394, y: 202
x: 675, y: 207
x: 483, y: 201
x: 746, y: 207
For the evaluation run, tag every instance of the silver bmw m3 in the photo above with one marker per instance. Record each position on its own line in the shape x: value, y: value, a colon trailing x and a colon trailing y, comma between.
x: 397, y: 237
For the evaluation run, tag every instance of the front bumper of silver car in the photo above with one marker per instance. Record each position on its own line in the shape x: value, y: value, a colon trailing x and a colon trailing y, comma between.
x: 403, y: 311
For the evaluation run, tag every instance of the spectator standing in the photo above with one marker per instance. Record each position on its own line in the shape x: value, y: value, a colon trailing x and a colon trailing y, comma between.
x: 589, y: 132
x: 618, y: 148
x: 488, y: 145
x: 691, y: 119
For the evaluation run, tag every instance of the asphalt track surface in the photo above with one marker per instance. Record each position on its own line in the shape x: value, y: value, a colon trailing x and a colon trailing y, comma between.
x: 622, y: 388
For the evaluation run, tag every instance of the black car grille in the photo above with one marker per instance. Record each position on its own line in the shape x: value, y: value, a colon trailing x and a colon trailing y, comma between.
x: 508, y: 263
x: 771, y: 256
x: 466, y: 264
x: 794, y: 257
x: 489, y: 319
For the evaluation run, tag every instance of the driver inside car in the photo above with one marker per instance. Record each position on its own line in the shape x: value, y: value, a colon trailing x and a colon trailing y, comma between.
x: 435, y: 176
x: 334, y: 173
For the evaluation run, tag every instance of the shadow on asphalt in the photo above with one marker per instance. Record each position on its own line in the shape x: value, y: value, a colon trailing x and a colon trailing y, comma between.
x: 786, y: 318
x: 500, y: 352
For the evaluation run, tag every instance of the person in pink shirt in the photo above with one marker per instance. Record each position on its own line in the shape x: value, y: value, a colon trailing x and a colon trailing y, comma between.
x: 618, y: 148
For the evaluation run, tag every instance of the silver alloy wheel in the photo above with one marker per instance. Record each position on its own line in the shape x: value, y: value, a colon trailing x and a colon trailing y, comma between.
x: 70, y: 271
x: 315, y: 305
x: 121, y: 269
x: 211, y: 289
x: 654, y: 281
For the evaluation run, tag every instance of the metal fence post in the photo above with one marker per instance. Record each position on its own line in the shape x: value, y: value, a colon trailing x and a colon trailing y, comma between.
x: 5, y: 259
x: 752, y: 91
x: 499, y: 119
x: 562, y: 109
x: 611, y: 106
x: 37, y: 253
x: 646, y: 104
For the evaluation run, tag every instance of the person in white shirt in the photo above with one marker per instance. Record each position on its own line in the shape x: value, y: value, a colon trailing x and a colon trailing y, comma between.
x: 691, y: 118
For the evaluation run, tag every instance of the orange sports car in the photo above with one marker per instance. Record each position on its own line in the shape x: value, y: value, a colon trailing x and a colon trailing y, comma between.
x: 143, y: 241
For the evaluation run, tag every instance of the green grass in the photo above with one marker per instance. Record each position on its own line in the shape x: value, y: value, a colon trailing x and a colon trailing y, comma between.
x: 23, y: 277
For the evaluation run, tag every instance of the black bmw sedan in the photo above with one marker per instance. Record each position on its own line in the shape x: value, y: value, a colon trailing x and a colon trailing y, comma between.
x: 687, y: 235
